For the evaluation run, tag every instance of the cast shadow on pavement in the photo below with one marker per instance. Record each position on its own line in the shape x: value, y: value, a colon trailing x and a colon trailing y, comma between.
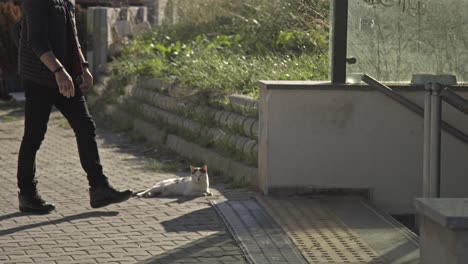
x: 211, y: 249
x: 205, y: 219
x: 51, y: 222
x: 12, y: 215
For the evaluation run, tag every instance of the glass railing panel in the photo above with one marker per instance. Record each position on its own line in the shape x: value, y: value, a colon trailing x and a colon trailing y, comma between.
x: 392, y: 39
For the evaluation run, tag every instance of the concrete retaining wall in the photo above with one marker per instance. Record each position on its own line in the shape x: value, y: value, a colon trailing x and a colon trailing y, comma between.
x: 223, y: 135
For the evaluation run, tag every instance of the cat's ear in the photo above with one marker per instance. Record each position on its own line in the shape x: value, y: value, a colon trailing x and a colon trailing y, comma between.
x: 204, y: 169
x: 192, y: 169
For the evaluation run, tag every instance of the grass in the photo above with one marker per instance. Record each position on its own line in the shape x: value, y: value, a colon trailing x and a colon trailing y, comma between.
x: 237, y: 183
x: 220, y: 47
x: 9, y: 118
x: 10, y: 112
x: 166, y: 166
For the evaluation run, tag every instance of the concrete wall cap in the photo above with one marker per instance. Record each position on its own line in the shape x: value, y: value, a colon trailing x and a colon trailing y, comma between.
x: 448, y: 212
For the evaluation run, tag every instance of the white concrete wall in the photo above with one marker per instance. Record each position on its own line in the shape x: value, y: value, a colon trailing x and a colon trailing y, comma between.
x: 321, y: 136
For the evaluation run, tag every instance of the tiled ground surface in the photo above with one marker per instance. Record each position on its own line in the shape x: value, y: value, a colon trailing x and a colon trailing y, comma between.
x: 138, y: 231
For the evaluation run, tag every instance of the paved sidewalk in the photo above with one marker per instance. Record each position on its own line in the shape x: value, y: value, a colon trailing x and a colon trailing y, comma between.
x: 138, y: 231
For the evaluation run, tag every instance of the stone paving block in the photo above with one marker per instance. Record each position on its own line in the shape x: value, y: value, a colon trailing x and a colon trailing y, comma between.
x: 136, y: 231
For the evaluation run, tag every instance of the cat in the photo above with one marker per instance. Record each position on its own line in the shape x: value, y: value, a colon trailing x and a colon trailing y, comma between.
x: 197, y: 184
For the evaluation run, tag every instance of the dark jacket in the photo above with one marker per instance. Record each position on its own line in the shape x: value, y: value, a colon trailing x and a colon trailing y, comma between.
x: 45, y: 28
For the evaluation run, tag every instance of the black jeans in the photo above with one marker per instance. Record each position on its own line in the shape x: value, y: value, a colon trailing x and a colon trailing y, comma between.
x: 39, y: 102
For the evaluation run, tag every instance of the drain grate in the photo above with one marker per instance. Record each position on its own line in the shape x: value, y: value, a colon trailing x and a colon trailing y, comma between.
x: 317, y: 232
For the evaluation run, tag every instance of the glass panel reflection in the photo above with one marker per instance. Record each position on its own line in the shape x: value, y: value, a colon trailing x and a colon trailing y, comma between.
x: 392, y: 39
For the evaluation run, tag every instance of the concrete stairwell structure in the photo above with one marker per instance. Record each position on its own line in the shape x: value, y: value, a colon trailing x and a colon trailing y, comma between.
x: 317, y: 136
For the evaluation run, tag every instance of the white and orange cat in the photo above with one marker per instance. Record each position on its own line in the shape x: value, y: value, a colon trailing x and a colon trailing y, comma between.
x: 197, y: 184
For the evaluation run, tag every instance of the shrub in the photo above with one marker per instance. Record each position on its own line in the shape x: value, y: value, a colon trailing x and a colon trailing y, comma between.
x: 10, y: 13
x: 225, y: 46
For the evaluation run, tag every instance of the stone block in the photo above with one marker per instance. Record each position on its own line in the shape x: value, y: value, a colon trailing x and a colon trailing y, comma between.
x: 240, y: 143
x: 217, y: 116
x: 216, y: 134
x: 232, y: 140
x: 231, y: 121
x: 255, y: 129
x: 150, y: 131
x: 214, y: 160
x: 255, y: 152
x: 240, y: 103
x: 179, y: 121
x: 128, y: 90
x: 247, y: 125
x: 173, y: 143
x: 192, y: 126
x: 249, y: 147
x: 240, y: 119
x: 443, y: 230
x: 224, y: 119
x: 121, y: 30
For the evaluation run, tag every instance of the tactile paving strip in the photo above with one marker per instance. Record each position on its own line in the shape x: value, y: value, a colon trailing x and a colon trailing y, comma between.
x: 317, y: 232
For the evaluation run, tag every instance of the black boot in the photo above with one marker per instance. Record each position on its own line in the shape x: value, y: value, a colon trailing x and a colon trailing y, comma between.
x: 33, y: 203
x: 105, y: 195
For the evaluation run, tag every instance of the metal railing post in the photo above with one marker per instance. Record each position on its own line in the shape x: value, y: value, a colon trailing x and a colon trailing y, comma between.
x: 427, y: 141
x: 338, y: 40
x: 435, y: 137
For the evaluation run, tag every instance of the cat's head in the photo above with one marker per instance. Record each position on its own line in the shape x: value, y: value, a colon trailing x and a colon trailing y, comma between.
x: 199, y: 174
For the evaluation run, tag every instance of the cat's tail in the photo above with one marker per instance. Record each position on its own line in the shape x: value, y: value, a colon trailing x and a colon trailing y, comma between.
x: 135, y: 193
x: 152, y: 192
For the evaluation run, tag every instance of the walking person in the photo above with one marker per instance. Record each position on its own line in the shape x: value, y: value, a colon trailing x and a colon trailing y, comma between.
x: 55, y: 73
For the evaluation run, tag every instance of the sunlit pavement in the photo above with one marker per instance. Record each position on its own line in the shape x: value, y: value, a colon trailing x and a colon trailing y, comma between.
x: 159, y: 230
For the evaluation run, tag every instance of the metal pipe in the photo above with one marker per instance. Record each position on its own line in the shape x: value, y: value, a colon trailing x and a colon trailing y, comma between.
x: 427, y: 141
x: 338, y: 40
x: 435, y: 136
x: 412, y: 106
x: 454, y: 100
x: 392, y: 94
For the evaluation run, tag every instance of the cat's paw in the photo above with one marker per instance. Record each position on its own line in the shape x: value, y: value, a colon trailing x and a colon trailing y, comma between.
x: 208, y: 194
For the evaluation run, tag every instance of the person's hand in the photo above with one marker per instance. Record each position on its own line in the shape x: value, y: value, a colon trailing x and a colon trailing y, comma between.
x: 65, y: 83
x: 87, y: 81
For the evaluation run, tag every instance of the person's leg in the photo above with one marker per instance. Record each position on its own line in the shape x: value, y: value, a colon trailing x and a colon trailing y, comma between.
x: 76, y: 112
x: 39, y: 101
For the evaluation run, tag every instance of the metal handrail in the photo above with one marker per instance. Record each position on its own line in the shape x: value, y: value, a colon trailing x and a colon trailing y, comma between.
x: 433, y: 124
x: 432, y: 133
x: 454, y: 100
x: 414, y: 107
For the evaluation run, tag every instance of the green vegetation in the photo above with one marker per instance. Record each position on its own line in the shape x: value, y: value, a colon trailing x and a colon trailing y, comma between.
x: 168, y: 166
x: 11, y: 112
x: 223, y: 46
x: 237, y: 183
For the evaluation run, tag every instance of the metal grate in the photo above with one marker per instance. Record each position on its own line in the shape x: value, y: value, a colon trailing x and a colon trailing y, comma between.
x: 258, y: 235
x: 317, y: 232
